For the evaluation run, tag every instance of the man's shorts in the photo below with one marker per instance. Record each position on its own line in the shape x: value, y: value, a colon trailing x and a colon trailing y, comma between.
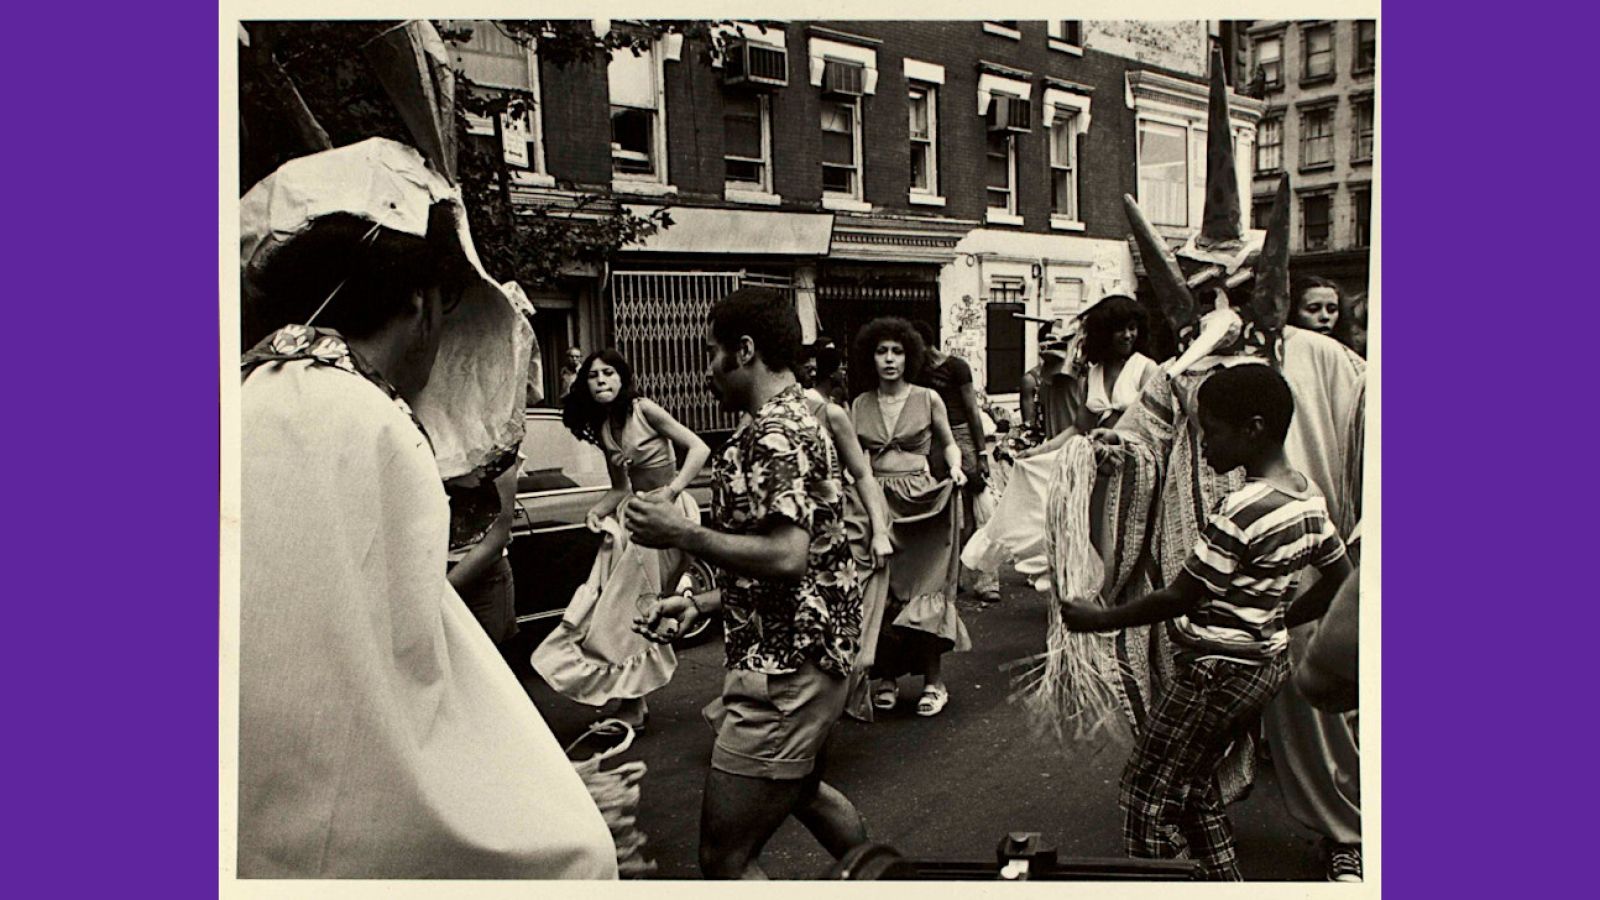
x: 773, y: 726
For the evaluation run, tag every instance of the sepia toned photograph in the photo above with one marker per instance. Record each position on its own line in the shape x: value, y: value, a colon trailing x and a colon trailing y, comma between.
x: 811, y: 450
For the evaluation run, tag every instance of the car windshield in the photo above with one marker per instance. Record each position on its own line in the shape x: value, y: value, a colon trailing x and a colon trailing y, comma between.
x: 555, y: 459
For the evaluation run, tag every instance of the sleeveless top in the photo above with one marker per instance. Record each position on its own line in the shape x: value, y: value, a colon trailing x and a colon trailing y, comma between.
x: 640, y: 447
x: 907, y: 449
x: 1104, y: 401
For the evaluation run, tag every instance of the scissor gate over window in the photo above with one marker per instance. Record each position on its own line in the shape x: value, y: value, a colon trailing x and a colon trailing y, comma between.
x: 660, y: 320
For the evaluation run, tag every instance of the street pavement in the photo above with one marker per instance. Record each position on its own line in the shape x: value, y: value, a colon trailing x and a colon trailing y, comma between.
x: 946, y: 788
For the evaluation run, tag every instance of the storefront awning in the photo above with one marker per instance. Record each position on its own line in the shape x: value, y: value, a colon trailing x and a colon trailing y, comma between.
x: 754, y: 232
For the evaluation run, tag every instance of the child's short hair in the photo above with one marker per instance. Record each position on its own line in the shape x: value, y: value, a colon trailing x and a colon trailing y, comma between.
x: 1237, y: 393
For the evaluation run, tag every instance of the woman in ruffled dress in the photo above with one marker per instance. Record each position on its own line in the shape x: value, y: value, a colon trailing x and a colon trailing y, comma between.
x: 897, y: 424
x: 594, y: 655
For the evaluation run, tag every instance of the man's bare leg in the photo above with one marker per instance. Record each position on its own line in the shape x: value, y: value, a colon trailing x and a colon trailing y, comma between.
x: 738, y: 815
x: 831, y: 818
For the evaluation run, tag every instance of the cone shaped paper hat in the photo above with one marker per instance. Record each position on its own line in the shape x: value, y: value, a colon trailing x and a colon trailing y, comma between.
x: 1269, y: 300
x: 1161, y: 265
x: 1223, y: 222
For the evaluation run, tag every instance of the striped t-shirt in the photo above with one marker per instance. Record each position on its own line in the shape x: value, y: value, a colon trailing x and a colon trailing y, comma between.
x: 1259, y: 538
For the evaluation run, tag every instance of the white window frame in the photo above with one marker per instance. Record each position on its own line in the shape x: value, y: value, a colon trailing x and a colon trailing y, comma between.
x: 744, y: 192
x: 659, y: 181
x: 852, y: 201
x: 1306, y: 112
x: 1261, y: 127
x: 534, y: 173
x: 997, y: 215
x: 1058, y: 102
x: 1194, y: 121
x: 1275, y: 37
x: 930, y: 95
x: 930, y: 77
x: 1059, y: 41
x: 1189, y: 129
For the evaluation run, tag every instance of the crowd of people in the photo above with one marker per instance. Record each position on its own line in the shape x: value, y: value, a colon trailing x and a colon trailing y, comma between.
x: 382, y: 735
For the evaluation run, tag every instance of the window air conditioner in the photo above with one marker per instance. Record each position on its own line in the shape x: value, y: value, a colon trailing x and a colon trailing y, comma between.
x: 755, y: 64
x: 842, y: 78
x: 1010, y: 114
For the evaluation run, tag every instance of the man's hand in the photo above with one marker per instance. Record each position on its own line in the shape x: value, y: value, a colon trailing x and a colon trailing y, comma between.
x: 666, y: 618
x: 1081, y: 616
x: 656, y: 522
x: 882, y: 549
x: 958, y: 476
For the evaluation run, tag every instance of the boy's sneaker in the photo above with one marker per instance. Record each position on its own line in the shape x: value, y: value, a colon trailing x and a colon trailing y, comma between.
x: 1344, y: 862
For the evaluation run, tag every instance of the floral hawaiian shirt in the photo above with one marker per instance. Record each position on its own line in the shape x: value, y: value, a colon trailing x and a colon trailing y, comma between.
x: 777, y: 466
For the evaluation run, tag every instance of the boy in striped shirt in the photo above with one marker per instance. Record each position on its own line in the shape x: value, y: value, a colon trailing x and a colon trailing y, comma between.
x: 1228, y: 613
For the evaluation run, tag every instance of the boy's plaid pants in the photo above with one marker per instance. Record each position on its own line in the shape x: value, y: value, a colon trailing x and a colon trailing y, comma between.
x: 1169, y: 792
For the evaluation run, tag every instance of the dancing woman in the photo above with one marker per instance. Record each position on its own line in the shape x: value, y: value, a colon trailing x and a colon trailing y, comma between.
x: 897, y: 423
x: 594, y: 655
x: 1115, y: 331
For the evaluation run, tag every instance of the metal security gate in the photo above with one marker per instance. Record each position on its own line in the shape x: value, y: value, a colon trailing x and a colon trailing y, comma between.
x: 660, y: 321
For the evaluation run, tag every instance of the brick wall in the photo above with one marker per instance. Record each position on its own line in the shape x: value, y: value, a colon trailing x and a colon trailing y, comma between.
x: 577, y: 122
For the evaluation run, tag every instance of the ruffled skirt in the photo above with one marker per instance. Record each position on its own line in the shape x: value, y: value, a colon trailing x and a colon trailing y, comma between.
x: 594, y: 655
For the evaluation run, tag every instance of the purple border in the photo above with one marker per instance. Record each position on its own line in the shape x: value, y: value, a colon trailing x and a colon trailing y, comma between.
x: 117, y: 780
x: 112, y: 440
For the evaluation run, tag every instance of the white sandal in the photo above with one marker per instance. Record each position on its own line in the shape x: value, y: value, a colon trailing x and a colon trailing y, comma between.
x: 886, y: 695
x: 934, y: 697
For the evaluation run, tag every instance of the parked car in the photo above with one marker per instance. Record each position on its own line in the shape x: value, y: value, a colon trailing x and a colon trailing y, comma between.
x: 552, y: 549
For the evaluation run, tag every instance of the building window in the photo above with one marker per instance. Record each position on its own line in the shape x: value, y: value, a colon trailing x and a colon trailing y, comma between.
x: 923, y: 107
x: 1316, y: 137
x: 1316, y: 217
x: 841, y: 148
x: 1317, y: 50
x: 1269, y: 60
x: 1067, y: 298
x: 637, y: 132
x: 1064, y: 163
x: 1000, y: 171
x: 1366, y: 46
x: 1260, y: 212
x: 1070, y: 32
x: 1361, y: 200
x: 1164, y: 172
x: 1005, y: 338
x: 1361, y: 146
x: 1269, y: 145
x: 747, y: 141
x: 495, y: 62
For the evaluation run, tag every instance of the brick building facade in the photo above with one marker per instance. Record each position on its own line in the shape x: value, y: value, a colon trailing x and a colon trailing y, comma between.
x: 1319, y: 81
x: 959, y: 172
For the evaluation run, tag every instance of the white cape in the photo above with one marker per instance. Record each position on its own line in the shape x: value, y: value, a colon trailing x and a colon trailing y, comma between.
x: 380, y: 735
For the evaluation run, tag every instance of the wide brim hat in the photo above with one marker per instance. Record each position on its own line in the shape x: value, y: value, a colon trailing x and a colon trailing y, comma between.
x: 473, y: 404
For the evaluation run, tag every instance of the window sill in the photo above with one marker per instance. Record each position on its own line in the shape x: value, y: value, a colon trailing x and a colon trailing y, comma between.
x: 531, y: 179
x: 1313, y: 80
x: 1363, y: 73
x: 740, y: 195
x: 925, y: 199
x: 650, y: 188
x: 1267, y: 173
x: 1364, y: 161
x: 845, y: 204
x: 1316, y: 167
x: 1061, y: 223
x: 1001, y: 217
x: 1002, y: 31
x: 1064, y: 47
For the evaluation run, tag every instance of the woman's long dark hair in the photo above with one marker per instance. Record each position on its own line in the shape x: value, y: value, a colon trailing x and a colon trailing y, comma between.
x: 583, y: 415
x: 1106, y: 318
x: 864, y: 372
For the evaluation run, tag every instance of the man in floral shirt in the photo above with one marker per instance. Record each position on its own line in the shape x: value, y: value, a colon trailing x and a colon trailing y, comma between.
x: 791, y: 597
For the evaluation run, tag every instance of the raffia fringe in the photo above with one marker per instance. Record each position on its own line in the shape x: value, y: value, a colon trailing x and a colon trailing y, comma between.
x: 1070, y: 689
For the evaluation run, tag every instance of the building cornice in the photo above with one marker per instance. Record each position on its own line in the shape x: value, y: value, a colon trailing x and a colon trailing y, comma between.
x: 1161, y: 88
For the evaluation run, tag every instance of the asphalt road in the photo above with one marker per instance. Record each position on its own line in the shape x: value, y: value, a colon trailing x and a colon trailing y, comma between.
x: 947, y: 787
